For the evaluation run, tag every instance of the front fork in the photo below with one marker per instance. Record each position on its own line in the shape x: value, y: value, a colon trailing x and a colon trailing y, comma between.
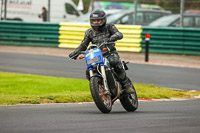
x: 103, y: 73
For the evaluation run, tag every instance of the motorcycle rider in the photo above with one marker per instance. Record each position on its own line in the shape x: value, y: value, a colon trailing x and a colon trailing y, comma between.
x: 101, y: 32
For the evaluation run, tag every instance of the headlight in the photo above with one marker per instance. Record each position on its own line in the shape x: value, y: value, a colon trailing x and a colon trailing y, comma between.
x: 93, y: 60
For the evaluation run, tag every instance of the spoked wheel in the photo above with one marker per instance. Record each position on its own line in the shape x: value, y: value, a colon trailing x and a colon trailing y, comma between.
x: 130, y: 101
x: 102, y: 101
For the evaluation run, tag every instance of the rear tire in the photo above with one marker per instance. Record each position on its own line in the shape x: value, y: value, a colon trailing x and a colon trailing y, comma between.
x: 103, y: 102
x: 130, y: 101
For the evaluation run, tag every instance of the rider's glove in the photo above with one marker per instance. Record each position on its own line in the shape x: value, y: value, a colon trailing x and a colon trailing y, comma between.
x: 112, y: 38
x: 115, y: 37
x: 75, y: 53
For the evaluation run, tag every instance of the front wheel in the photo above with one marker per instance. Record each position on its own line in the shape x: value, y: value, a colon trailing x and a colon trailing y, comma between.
x: 102, y: 101
x: 130, y: 101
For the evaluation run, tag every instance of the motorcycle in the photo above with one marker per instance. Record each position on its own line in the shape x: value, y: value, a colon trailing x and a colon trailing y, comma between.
x: 105, y: 84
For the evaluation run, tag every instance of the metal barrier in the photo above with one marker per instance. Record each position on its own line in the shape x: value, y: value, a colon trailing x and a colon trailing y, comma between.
x: 29, y: 34
x: 172, y: 40
x: 69, y: 35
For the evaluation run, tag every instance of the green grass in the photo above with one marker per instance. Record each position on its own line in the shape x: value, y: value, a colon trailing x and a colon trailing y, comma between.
x: 33, y: 89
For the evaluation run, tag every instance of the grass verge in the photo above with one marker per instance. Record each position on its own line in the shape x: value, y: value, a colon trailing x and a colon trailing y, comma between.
x: 33, y: 89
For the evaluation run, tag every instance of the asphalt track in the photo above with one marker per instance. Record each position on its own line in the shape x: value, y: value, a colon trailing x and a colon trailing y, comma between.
x: 165, y: 76
x: 151, y: 117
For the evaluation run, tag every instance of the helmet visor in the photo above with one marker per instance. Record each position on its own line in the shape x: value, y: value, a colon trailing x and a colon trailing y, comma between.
x: 96, y: 22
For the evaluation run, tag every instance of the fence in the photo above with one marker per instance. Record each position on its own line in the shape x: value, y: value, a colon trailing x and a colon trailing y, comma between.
x: 70, y: 35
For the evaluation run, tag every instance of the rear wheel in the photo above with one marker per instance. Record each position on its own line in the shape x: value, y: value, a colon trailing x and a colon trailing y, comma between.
x: 130, y: 101
x: 102, y: 101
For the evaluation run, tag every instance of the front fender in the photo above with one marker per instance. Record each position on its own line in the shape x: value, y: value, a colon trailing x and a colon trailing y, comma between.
x: 97, y: 75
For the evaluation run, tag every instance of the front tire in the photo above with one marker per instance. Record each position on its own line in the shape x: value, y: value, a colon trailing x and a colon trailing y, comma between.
x: 130, y: 101
x: 102, y: 101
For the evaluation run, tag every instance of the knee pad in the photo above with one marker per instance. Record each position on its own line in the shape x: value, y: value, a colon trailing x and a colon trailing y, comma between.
x: 119, y: 67
x: 113, y: 59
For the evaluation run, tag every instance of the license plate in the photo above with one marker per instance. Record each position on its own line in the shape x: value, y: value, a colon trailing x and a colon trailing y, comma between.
x: 93, y: 60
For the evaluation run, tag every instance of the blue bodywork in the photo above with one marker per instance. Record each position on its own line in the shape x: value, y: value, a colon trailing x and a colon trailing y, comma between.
x: 92, y: 57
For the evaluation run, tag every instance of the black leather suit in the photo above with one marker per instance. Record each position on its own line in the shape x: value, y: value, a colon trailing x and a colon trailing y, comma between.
x: 107, y: 33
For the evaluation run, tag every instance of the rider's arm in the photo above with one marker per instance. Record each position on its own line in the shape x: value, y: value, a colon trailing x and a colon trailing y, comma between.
x: 115, y: 34
x: 82, y: 47
x: 86, y: 40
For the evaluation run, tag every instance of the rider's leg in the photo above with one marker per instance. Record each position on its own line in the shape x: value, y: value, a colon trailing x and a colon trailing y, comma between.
x: 115, y: 62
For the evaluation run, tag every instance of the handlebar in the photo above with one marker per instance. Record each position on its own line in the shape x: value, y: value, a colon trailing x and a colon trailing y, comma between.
x: 103, y: 45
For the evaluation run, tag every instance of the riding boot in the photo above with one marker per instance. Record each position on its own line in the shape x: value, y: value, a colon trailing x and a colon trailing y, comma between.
x: 127, y: 85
